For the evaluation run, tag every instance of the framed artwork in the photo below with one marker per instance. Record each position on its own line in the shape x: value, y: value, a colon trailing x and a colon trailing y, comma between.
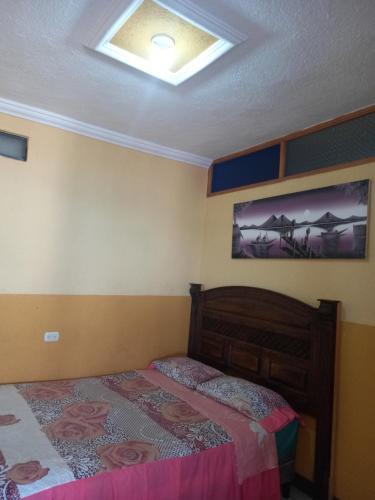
x: 324, y: 223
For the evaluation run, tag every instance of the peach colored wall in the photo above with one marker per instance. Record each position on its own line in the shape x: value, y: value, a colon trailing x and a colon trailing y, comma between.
x: 352, y: 282
x: 82, y: 216
x: 99, y: 243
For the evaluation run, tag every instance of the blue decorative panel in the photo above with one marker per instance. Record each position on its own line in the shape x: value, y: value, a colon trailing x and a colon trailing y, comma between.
x: 262, y: 165
x: 13, y: 146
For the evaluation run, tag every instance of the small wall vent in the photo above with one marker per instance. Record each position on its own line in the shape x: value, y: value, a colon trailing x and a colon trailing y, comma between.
x: 13, y: 146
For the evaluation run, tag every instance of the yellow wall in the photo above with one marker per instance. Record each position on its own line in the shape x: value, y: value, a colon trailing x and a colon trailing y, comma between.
x: 86, y: 217
x: 97, y: 242
x: 352, y: 282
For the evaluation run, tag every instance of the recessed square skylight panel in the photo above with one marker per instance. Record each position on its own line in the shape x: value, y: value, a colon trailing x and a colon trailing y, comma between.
x: 167, y: 41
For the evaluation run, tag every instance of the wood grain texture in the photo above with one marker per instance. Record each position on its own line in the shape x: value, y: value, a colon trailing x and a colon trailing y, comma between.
x: 209, y: 181
x: 276, y: 341
x: 282, y: 165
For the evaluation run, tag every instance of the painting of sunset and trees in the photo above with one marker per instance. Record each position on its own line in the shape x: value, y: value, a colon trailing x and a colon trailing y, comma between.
x: 324, y: 223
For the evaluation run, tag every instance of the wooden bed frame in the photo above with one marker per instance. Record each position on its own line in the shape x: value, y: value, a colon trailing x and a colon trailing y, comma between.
x: 276, y: 341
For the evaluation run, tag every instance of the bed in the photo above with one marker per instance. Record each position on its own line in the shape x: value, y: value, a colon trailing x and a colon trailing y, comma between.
x: 142, y: 435
x: 278, y: 342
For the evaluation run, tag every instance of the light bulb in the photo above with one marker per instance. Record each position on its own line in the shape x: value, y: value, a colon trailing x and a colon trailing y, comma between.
x: 162, y: 50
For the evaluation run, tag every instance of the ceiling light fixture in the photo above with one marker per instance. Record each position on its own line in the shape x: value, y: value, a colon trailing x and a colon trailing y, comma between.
x: 163, y: 41
x: 162, y: 50
x: 199, y: 39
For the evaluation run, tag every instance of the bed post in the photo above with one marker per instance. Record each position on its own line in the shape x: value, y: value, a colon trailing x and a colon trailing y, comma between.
x: 195, y: 291
x: 327, y: 325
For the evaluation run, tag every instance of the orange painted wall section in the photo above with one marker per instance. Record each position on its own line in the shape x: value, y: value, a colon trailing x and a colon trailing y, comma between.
x: 354, y: 477
x: 306, y: 447
x: 99, y: 334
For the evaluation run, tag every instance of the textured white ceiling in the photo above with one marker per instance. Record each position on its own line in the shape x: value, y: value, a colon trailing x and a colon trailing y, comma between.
x: 305, y: 61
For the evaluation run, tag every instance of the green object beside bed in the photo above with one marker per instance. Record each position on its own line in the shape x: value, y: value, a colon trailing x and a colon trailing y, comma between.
x: 286, y: 442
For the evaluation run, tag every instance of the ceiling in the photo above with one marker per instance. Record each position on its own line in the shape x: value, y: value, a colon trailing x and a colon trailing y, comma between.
x: 303, y: 62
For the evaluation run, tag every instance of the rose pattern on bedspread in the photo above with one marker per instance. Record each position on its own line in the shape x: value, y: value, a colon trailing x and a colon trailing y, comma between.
x: 100, y: 424
x: 20, y: 473
x: 180, y: 412
x: 8, y: 420
x: 8, y: 488
x: 49, y: 391
x: 95, y: 411
x: 27, y: 472
x: 82, y: 420
x: 136, y: 385
x: 170, y: 412
x: 127, y: 453
x: 74, y: 429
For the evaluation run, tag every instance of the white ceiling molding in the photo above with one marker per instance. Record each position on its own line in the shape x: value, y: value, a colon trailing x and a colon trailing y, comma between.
x: 70, y: 124
x: 122, y: 10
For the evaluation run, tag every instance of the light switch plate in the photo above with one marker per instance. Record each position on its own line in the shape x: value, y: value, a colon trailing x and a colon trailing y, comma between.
x: 51, y: 336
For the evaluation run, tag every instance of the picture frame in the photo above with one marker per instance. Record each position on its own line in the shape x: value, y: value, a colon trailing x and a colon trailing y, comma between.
x: 325, y: 223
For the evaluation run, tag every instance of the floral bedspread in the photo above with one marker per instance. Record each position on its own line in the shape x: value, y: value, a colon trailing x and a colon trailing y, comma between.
x: 52, y: 433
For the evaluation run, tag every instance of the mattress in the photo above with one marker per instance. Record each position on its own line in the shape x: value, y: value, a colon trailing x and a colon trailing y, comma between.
x: 137, y: 432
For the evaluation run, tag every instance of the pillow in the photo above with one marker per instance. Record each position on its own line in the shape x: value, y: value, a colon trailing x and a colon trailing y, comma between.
x: 264, y: 406
x: 186, y: 371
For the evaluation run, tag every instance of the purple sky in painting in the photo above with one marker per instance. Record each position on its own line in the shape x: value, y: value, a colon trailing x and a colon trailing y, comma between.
x: 307, y: 205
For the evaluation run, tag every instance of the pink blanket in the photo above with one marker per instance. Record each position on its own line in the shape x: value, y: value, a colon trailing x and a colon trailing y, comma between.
x: 133, y: 436
x: 255, y: 448
x: 209, y: 475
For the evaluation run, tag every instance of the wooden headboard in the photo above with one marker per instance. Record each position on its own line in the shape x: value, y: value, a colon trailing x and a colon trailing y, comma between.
x: 276, y: 341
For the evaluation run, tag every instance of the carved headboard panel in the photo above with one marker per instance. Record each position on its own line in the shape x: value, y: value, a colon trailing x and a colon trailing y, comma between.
x: 276, y: 341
